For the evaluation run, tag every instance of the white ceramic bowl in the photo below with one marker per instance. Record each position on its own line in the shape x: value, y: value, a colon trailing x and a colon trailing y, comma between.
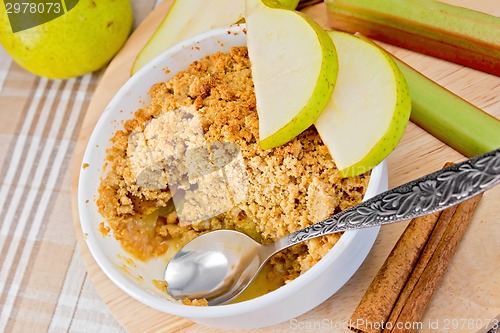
x: 294, y: 299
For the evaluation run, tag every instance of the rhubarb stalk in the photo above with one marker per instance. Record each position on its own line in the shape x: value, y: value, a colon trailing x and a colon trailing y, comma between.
x: 453, y: 33
x: 456, y: 122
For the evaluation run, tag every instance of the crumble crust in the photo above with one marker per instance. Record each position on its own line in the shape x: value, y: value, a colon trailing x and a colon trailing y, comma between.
x: 286, y: 188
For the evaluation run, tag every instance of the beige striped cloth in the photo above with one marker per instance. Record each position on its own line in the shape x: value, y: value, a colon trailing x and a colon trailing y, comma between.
x: 44, y: 286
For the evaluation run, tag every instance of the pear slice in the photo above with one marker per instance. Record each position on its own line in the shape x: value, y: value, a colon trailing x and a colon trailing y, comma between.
x: 294, y: 68
x: 369, y: 108
x: 187, y: 18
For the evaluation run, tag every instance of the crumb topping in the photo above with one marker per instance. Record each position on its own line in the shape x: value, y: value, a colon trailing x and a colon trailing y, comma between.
x: 210, y: 109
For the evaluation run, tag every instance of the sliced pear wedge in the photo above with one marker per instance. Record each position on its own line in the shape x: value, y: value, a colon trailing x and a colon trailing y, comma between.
x: 187, y: 18
x: 294, y: 68
x: 369, y: 109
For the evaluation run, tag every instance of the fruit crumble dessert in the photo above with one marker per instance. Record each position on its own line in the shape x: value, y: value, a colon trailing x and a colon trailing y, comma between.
x: 210, y: 108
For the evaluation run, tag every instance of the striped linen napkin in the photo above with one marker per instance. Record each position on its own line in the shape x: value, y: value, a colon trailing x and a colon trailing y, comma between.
x: 44, y: 286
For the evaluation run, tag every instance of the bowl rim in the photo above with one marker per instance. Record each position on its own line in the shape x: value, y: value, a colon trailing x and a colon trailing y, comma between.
x: 172, y: 307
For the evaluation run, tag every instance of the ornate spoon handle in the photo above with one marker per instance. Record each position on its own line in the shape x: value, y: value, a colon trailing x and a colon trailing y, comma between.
x: 426, y: 195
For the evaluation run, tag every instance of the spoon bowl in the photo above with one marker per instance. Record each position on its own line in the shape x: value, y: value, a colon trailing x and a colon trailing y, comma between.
x: 216, y: 266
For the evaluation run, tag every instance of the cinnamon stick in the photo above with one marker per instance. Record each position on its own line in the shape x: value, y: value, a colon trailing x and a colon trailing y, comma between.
x: 404, y: 285
x: 414, y: 307
x: 427, y: 253
x: 383, y: 292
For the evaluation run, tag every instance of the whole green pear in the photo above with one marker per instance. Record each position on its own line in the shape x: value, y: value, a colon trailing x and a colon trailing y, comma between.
x: 82, y: 40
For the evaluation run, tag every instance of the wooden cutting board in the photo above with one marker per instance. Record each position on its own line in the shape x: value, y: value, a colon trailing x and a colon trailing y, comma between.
x: 470, y: 289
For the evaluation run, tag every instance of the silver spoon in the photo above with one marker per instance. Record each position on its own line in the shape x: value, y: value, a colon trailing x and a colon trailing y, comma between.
x: 220, y: 264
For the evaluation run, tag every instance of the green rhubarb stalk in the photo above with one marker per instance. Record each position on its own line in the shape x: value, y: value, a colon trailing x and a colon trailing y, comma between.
x: 453, y: 33
x: 454, y: 121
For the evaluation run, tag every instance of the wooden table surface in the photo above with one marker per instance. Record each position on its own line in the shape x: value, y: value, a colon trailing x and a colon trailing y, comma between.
x: 470, y: 288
